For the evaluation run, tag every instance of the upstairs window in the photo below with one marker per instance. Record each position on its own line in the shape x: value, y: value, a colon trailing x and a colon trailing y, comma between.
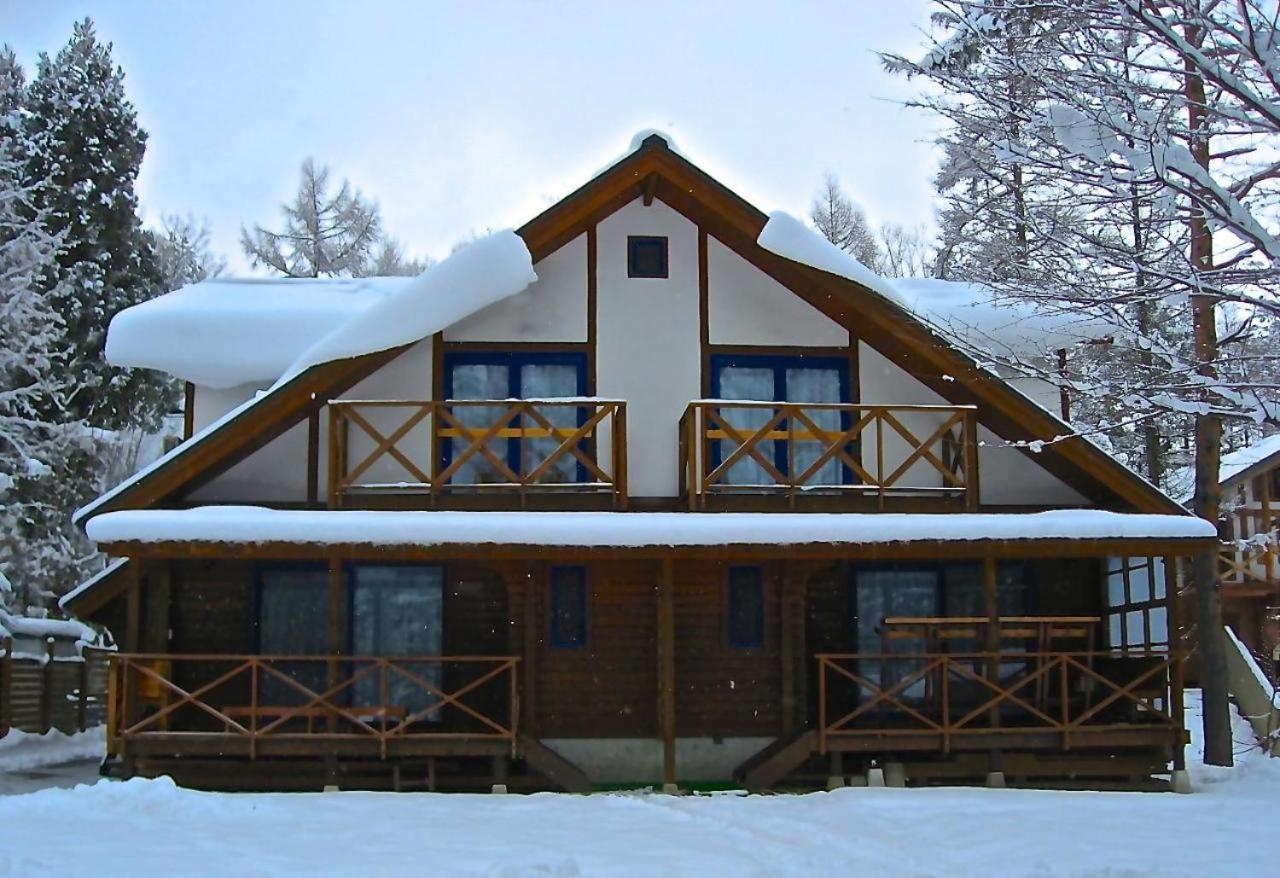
x: 746, y: 608
x: 646, y: 256
x: 568, y: 607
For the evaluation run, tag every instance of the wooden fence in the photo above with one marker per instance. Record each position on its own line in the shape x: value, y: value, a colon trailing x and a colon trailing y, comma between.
x: 43, y: 692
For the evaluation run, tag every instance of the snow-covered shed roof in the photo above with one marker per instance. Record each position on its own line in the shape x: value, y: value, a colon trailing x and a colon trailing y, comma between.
x: 255, y: 524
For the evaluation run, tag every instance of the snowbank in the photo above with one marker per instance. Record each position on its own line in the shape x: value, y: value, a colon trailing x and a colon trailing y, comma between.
x: 142, y: 827
x: 224, y: 332
x: 22, y: 751
x: 252, y: 524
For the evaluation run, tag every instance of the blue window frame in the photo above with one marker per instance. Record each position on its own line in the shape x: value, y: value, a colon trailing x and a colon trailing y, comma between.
x: 746, y: 608
x: 781, y: 379
x: 568, y: 605
x: 647, y: 256
x: 514, y: 375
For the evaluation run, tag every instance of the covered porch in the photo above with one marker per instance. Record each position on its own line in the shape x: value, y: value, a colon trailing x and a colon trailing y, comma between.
x: 810, y: 659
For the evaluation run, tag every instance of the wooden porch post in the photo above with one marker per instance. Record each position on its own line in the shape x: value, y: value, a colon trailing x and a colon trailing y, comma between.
x: 990, y: 596
x: 133, y: 607
x: 667, y: 672
x: 154, y: 633
x: 1172, y: 600
x: 791, y: 644
x: 337, y: 640
x: 534, y: 583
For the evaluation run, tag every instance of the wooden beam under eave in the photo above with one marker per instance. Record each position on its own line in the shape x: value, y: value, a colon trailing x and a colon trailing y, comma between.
x: 650, y: 187
x: 967, y: 550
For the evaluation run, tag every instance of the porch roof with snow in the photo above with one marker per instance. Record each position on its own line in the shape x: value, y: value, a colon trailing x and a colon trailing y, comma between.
x: 348, y: 532
x: 780, y: 246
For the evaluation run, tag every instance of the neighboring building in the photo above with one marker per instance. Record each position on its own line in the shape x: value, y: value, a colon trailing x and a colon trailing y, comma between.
x: 1249, y: 561
x: 703, y: 503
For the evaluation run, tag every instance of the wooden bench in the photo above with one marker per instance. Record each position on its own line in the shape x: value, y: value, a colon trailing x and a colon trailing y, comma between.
x: 256, y: 714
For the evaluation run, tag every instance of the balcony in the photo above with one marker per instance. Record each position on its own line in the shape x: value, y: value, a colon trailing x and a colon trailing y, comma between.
x: 550, y: 453
x: 881, y: 456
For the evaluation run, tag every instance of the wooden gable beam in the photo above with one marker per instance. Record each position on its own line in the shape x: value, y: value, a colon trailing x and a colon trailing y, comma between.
x: 650, y: 187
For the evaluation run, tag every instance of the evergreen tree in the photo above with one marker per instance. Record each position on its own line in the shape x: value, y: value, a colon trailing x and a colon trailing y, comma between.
x: 183, y: 254
x: 39, y: 548
x: 83, y: 149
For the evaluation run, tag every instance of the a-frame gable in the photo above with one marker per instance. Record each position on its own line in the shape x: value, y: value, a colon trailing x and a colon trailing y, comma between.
x: 656, y: 171
x: 652, y: 171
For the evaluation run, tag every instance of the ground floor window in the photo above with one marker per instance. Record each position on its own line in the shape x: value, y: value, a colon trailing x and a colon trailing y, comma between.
x: 745, y: 606
x: 568, y: 604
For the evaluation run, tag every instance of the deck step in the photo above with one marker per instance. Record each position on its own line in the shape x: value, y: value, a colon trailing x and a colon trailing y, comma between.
x: 553, y: 766
x: 773, y: 763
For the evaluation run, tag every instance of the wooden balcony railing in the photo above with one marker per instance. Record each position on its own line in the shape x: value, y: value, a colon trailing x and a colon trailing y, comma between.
x: 522, y: 446
x: 1249, y: 563
x: 798, y: 448
x: 248, y: 704
x: 946, y: 701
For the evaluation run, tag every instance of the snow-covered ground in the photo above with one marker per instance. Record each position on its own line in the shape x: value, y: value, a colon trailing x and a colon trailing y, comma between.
x: 20, y: 751
x: 144, y: 828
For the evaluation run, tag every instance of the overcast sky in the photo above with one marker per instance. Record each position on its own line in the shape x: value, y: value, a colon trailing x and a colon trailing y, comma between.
x: 465, y: 116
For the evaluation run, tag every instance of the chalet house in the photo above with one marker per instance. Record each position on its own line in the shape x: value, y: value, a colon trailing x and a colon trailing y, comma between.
x: 656, y: 489
x: 1248, y: 560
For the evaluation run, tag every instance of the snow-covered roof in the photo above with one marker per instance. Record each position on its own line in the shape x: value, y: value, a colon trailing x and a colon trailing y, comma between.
x: 973, y: 314
x: 473, y: 277
x: 23, y: 626
x: 224, y: 332
x: 255, y: 524
x: 982, y: 318
x: 1233, y: 464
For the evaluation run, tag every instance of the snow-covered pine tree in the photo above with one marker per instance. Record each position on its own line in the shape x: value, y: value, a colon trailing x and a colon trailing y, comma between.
x: 40, y: 550
x: 183, y: 253
x: 843, y: 223
x: 83, y: 151
x: 324, y: 235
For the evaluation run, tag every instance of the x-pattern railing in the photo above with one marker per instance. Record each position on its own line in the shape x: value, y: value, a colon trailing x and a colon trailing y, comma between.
x: 146, y: 699
x: 1060, y: 692
x: 880, y: 453
x: 556, y: 446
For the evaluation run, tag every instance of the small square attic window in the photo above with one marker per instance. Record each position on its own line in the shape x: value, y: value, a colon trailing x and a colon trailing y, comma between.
x: 646, y: 256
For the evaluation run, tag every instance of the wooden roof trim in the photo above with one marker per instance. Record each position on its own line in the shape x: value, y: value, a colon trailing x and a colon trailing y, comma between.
x: 83, y: 603
x: 204, y: 457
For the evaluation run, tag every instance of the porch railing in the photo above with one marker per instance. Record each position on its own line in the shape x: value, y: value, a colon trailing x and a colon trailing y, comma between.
x: 256, y: 699
x: 729, y: 446
x: 476, y: 446
x: 941, y: 700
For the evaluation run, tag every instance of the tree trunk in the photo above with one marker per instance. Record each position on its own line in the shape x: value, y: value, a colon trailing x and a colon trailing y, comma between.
x: 1209, y: 630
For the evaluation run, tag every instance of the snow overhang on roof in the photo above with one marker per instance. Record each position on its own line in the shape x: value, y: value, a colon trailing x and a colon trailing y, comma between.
x: 256, y: 525
x: 975, y: 315
x: 1233, y: 467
